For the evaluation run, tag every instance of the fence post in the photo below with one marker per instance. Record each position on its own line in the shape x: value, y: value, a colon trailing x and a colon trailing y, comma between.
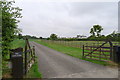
x: 83, y: 52
x: 25, y: 70
x: 34, y: 53
x: 116, y: 54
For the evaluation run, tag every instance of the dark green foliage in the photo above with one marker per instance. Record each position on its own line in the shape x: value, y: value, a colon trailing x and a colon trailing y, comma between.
x: 96, y: 30
x: 10, y: 15
x: 72, y: 39
x: 114, y: 36
x: 40, y: 38
x: 30, y: 37
x: 53, y: 37
x: 20, y: 36
x: 100, y: 38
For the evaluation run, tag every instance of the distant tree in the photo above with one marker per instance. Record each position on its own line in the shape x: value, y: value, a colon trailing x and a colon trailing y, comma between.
x: 48, y: 38
x: 96, y: 30
x: 27, y: 36
x: 101, y: 38
x: 10, y: 15
x: 40, y: 38
x: 20, y: 36
x: 91, y: 37
x: 30, y: 37
x: 78, y: 36
x: 33, y: 37
x: 92, y: 31
x: 53, y: 37
x: 113, y: 36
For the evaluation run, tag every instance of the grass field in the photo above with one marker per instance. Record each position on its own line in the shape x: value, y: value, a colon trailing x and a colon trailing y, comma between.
x: 33, y: 73
x: 80, y: 44
x: 72, y: 51
x: 18, y: 43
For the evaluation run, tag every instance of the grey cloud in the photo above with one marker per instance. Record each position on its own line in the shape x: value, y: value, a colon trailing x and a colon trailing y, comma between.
x: 67, y: 18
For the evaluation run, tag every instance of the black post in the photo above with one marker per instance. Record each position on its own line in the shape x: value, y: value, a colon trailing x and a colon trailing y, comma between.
x: 25, y: 70
x: 116, y: 54
x: 17, y: 63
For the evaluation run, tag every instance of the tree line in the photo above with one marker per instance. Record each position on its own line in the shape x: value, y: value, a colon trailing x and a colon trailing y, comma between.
x: 95, y: 32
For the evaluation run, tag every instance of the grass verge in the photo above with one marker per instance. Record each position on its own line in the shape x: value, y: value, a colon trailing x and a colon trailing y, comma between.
x: 6, y: 71
x: 34, y: 72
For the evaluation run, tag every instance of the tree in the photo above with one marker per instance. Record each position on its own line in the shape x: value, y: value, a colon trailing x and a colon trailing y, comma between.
x: 92, y: 32
x: 40, y: 38
x: 96, y: 30
x: 114, y: 36
x: 53, y: 36
x: 20, y: 36
x: 10, y: 17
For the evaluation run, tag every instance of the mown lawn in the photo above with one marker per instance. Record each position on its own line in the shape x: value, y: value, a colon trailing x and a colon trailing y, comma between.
x: 33, y: 73
x: 72, y: 51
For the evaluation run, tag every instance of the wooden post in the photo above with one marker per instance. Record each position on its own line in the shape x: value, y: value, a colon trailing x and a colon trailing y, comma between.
x: 34, y: 53
x: 83, y: 52
x: 111, y: 50
x: 91, y: 50
x: 100, y: 53
x: 26, y: 57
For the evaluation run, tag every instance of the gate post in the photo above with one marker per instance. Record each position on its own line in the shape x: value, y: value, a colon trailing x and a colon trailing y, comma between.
x: 17, y: 63
x: 116, y: 54
x: 34, y: 53
x: 83, y: 56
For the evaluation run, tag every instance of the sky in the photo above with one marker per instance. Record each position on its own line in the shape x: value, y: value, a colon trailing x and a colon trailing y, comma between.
x: 66, y: 18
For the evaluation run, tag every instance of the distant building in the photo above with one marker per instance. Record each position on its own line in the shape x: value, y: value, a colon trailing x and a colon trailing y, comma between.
x: 81, y: 36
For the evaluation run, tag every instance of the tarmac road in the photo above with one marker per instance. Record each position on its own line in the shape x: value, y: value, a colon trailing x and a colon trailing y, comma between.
x: 54, y: 64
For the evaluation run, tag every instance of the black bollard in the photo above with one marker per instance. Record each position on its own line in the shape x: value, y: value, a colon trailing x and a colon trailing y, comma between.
x: 116, y: 54
x: 17, y: 64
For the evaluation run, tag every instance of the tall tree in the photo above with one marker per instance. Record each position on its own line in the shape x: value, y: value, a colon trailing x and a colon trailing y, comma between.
x: 96, y: 30
x: 92, y: 31
x: 10, y: 17
x: 53, y: 36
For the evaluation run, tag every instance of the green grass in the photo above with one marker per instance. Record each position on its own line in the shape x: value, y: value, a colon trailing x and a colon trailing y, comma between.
x: 17, y: 43
x: 72, y: 51
x: 79, y: 44
x: 34, y: 72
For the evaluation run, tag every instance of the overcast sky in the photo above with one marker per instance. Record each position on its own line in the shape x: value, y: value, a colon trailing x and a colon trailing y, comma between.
x: 67, y: 19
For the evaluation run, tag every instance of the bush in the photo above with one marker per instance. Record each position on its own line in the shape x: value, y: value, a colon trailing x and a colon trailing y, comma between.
x: 9, y: 24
